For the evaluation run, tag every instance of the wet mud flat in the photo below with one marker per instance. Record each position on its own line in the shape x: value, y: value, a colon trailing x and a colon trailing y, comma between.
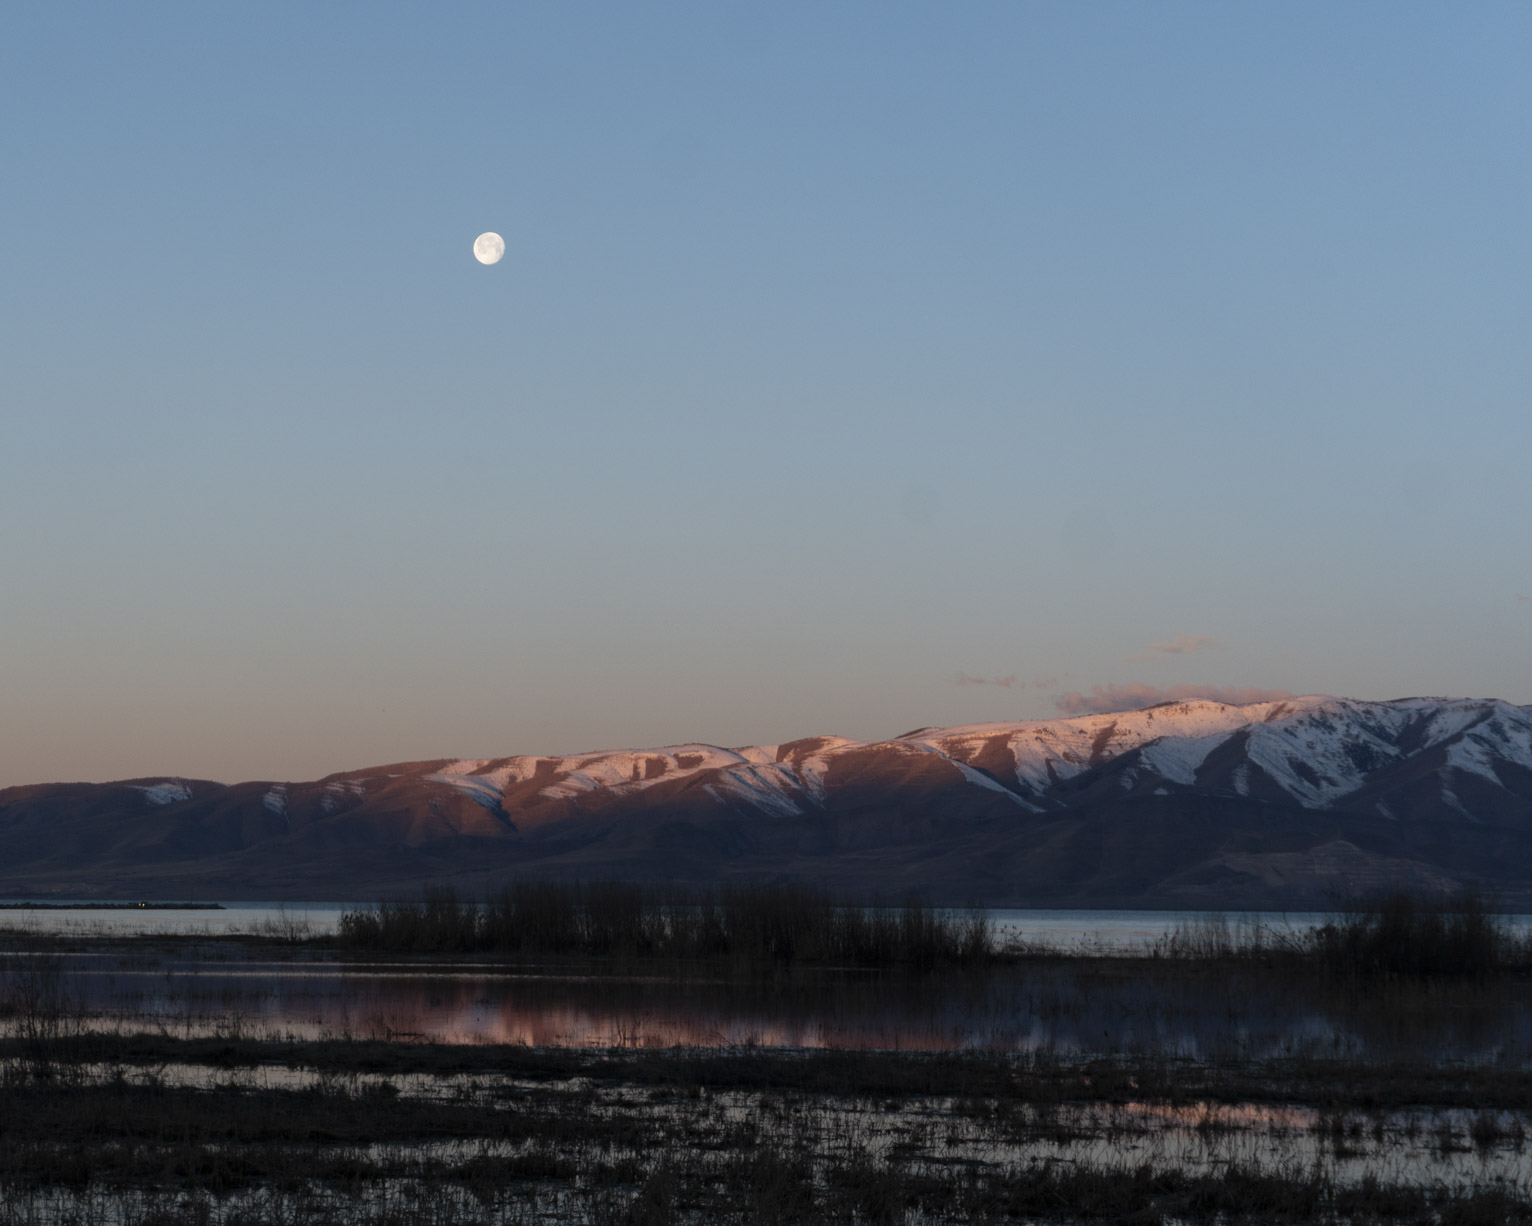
x: 1397, y: 1103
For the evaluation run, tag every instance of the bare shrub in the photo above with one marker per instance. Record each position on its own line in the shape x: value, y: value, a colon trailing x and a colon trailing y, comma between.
x: 34, y: 997
x: 1405, y: 935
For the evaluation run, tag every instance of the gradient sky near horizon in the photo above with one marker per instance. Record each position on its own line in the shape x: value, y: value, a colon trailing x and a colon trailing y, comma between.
x: 846, y: 361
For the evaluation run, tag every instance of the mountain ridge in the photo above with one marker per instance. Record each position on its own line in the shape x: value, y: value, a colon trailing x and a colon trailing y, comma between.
x: 1276, y: 801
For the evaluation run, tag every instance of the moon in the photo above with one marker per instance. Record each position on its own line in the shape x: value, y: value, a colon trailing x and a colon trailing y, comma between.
x: 488, y: 248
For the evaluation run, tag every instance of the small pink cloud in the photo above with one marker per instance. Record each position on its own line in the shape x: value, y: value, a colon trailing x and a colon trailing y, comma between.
x: 1180, y: 645
x: 1107, y: 698
x: 1011, y: 682
x: 1184, y: 644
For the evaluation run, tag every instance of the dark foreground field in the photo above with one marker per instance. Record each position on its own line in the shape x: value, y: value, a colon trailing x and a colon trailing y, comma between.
x: 151, y: 1129
x: 1389, y: 1092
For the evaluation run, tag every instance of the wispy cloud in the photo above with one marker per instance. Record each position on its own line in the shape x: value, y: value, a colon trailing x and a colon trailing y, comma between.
x: 1009, y: 682
x: 1180, y: 645
x: 1106, y: 698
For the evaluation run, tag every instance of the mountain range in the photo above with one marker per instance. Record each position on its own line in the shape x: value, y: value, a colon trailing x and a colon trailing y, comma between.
x: 1188, y: 804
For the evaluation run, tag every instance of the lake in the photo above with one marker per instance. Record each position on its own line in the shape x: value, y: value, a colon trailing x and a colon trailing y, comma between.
x: 1101, y: 931
x: 1074, y: 1006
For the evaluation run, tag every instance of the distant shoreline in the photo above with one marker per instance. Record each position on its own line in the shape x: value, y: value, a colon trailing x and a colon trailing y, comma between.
x: 111, y: 906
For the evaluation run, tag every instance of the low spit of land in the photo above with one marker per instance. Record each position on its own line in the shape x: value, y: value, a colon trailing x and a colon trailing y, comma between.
x: 111, y: 906
x: 1398, y: 1089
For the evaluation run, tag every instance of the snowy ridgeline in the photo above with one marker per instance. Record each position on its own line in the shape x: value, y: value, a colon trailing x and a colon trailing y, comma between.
x: 1315, y: 750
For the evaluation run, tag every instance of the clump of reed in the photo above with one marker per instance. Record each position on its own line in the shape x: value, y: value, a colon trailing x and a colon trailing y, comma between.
x: 771, y: 924
x: 1213, y: 938
x: 1399, y: 934
x: 1395, y: 934
x: 38, y: 1011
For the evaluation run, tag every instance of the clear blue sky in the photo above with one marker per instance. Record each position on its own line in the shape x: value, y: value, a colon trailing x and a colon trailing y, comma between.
x: 838, y: 350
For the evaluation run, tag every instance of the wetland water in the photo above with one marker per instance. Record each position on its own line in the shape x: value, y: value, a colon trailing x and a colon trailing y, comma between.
x: 1058, y: 1009
x: 197, y: 988
x: 1059, y: 1006
x: 1085, y: 931
x: 1071, y: 931
x: 547, y: 1091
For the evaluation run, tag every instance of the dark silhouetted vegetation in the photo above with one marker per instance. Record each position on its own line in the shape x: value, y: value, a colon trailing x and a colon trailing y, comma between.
x: 1391, y: 935
x: 1399, y: 934
x: 37, y: 1011
x: 993, y: 1083
x: 765, y: 924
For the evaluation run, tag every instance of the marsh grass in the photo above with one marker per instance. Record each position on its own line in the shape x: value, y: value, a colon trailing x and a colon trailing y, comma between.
x: 1404, y: 935
x: 767, y: 1190
x: 285, y: 927
x: 1395, y: 935
x: 626, y: 1142
x: 751, y: 925
x: 40, y: 1011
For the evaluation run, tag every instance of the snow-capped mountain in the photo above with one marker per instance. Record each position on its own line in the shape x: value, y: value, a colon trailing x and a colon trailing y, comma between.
x: 1424, y: 788
x: 1317, y: 752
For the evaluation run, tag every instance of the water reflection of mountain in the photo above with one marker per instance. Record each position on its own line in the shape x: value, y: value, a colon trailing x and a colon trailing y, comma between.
x: 1068, y: 1007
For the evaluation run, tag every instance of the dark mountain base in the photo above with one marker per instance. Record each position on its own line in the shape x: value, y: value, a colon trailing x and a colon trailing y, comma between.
x: 1182, y: 852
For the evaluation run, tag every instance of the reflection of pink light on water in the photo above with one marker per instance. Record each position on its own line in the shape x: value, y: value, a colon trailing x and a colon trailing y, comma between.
x: 1231, y: 1115
x: 569, y: 1026
x: 575, y: 1012
x: 1056, y: 1009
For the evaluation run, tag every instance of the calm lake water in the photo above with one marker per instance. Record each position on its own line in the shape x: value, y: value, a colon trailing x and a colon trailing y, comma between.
x: 1103, y: 931
x: 1068, y: 1007
x: 80, y: 916
x: 1085, y: 931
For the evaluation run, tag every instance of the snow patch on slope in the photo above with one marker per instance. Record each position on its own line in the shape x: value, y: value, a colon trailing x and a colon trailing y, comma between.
x: 338, y: 788
x: 1179, y: 758
x: 813, y: 769
x: 1500, y: 737
x: 773, y: 788
x: 976, y: 777
x: 1049, y: 751
x: 629, y: 769
x: 481, y: 789
x: 980, y: 779
x: 1316, y: 748
x: 166, y: 793
x: 1451, y: 800
x: 484, y: 787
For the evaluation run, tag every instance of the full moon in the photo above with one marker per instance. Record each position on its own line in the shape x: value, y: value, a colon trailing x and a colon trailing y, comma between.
x: 488, y: 248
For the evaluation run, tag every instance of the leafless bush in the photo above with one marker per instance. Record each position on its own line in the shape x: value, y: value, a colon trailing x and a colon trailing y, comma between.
x: 1405, y: 935
x: 35, y: 1000
x: 286, y: 927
